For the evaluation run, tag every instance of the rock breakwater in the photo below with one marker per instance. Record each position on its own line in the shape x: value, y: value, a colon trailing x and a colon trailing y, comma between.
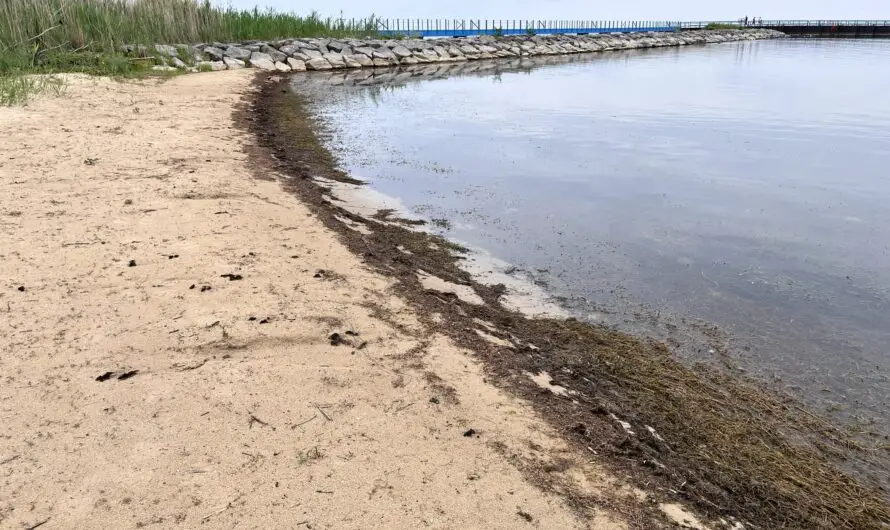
x: 333, y: 54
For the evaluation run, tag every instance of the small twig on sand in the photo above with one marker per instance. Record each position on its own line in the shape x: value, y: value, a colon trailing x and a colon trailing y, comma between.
x: 254, y: 419
x: 221, y: 510
x: 403, y: 407
x: 10, y: 459
x: 38, y: 525
x: 323, y: 413
x: 304, y: 422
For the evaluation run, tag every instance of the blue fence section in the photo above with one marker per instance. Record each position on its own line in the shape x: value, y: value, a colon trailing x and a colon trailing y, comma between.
x: 411, y: 27
x: 467, y: 28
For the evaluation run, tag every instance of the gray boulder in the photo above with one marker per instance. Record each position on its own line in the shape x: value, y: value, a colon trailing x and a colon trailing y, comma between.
x: 421, y: 58
x: 281, y: 67
x: 276, y: 55
x: 385, y: 53
x: 312, y: 54
x: 318, y: 63
x: 350, y: 62
x: 214, y: 53
x: 402, y: 52
x: 361, y: 59
x: 166, y: 50
x: 335, y: 59
x: 233, y: 64
x: 296, y: 64
x: 261, y: 60
x: 336, y: 46
x: 235, y: 52
x: 289, y: 49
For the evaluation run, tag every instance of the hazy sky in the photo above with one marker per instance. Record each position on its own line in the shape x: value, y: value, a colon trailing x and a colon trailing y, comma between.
x: 586, y: 9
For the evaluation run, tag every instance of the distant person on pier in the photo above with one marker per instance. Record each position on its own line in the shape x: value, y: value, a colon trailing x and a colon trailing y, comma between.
x: 746, y: 21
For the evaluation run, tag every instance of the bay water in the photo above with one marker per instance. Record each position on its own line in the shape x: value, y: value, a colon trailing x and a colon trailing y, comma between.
x: 731, y: 199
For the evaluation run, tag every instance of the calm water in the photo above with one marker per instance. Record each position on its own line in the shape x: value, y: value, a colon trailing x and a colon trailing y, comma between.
x: 745, y: 185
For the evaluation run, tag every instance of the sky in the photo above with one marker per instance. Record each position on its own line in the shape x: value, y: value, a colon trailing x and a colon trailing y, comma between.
x: 585, y: 9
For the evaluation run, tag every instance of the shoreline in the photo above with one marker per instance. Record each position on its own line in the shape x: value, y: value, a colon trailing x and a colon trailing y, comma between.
x: 319, y: 378
x: 695, y: 422
x: 185, y: 343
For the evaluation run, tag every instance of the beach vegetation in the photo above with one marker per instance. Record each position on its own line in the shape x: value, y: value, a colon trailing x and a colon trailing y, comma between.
x: 722, y: 25
x: 100, y: 36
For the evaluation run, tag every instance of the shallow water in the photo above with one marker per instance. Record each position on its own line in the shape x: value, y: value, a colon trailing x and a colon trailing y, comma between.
x: 743, y: 184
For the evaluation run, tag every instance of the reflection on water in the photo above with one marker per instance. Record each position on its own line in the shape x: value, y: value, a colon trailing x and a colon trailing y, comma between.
x: 743, y: 184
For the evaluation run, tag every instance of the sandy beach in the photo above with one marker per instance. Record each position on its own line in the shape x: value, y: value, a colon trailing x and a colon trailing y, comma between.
x: 200, y: 327
x: 184, y: 344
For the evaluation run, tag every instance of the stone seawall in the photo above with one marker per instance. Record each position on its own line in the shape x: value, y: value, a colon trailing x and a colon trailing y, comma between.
x: 331, y: 54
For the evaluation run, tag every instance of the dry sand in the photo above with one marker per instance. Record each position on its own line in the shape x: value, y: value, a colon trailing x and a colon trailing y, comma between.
x: 242, y: 412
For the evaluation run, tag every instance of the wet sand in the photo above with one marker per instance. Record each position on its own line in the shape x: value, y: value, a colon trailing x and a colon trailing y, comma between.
x: 725, y: 444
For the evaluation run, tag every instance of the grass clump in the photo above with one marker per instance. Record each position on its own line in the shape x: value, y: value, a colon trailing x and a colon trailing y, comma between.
x: 722, y: 25
x: 18, y: 89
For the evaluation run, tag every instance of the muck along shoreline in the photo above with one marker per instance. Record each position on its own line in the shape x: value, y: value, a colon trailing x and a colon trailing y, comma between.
x: 735, y: 451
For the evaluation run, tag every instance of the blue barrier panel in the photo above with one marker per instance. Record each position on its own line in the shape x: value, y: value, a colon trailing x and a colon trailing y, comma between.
x: 467, y: 28
x: 473, y: 27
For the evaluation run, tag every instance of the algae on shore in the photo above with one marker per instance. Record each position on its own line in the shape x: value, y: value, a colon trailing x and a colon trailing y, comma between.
x: 732, y: 448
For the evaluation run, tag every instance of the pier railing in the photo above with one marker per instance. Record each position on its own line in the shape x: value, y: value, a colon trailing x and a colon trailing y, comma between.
x: 758, y: 23
x: 410, y: 27
x: 430, y: 27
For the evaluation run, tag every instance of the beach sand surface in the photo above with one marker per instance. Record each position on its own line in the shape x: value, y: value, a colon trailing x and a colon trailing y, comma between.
x: 166, y: 351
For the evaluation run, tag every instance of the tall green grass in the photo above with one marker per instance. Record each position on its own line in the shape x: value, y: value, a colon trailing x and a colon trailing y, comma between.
x: 39, y: 36
x: 107, y: 24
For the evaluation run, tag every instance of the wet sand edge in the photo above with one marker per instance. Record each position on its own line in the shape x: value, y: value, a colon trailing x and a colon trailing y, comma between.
x: 729, y: 447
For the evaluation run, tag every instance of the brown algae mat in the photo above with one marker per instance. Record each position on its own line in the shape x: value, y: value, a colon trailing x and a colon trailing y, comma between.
x: 736, y: 451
